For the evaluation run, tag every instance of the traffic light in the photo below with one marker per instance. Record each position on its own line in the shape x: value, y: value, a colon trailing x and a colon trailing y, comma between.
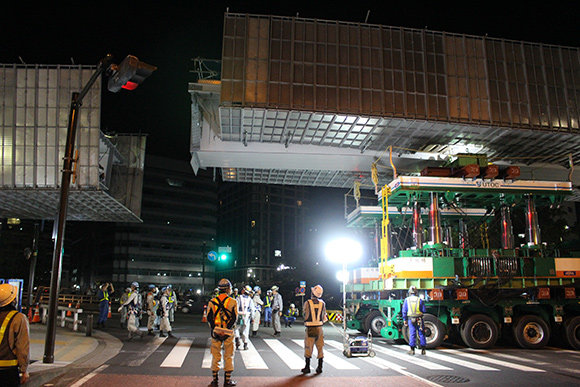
x: 223, y: 256
x: 129, y: 74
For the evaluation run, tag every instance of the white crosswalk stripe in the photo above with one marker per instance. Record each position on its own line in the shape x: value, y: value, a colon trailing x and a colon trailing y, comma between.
x: 146, y: 352
x: 374, y: 361
x: 206, y: 362
x: 292, y: 360
x: 416, y: 360
x: 177, y: 355
x: 330, y: 359
x: 463, y: 363
x: 487, y: 359
x: 252, y: 359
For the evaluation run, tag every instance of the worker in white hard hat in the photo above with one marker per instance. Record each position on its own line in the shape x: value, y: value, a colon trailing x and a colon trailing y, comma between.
x: 222, y: 313
x: 245, y: 308
x: 14, y: 339
x: 133, y: 305
x: 277, y: 306
x: 256, y: 316
x: 314, y: 316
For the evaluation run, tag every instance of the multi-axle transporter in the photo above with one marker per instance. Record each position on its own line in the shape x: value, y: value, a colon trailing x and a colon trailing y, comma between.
x: 473, y: 291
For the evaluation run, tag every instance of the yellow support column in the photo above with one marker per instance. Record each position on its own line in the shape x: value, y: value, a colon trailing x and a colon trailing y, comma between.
x: 383, y: 269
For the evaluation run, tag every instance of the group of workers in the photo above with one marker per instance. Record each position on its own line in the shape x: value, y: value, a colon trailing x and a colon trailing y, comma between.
x: 229, y: 318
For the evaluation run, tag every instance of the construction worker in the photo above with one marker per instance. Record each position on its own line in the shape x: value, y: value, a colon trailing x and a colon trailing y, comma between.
x: 152, y: 306
x: 103, y: 297
x: 245, y: 309
x: 258, y: 303
x: 413, y: 309
x: 172, y: 301
x: 222, y: 315
x: 268, y: 308
x: 165, y: 307
x: 133, y: 305
x: 277, y: 305
x: 314, y: 317
x: 124, y: 316
x: 14, y: 339
x: 290, y: 316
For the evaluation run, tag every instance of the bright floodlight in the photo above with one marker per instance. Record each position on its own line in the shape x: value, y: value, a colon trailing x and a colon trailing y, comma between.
x: 343, y: 251
x: 342, y: 276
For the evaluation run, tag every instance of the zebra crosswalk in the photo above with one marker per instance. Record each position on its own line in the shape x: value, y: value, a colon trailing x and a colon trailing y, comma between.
x: 279, y: 353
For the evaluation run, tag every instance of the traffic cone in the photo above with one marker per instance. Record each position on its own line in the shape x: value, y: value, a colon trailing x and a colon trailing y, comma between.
x: 109, y: 315
x: 204, y: 318
x: 68, y: 312
x: 36, y: 318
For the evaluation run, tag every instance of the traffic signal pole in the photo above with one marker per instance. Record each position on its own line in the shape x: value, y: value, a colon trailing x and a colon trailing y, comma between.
x: 59, y: 225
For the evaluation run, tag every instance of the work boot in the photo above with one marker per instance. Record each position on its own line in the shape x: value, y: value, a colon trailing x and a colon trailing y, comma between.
x: 245, y: 346
x: 423, y: 352
x: 411, y: 351
x: 306, y: 369
x: 215, y: 381
x: 161, y: 334
x: 319, y: 368
x: 150, y: 332
x: 170, y: 334
x: 228, y: 379
x: 237, y: 343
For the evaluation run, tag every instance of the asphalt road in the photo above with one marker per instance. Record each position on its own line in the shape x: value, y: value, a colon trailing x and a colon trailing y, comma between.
x: 269, y: 361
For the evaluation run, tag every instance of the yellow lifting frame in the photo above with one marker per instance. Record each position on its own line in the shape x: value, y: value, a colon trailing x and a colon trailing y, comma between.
x: 383, y: 269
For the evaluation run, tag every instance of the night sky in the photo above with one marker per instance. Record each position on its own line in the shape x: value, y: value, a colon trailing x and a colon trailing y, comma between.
x: 168, y: 34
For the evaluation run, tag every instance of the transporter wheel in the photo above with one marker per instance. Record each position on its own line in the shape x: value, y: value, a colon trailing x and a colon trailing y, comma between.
x: 479, y: 331
x: 572, y: 332
x: 531, y: 332
x: 434, y: 332
x: 375, y: 322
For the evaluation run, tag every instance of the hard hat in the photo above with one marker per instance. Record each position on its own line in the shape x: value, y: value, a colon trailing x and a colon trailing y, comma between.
x: 135, y: 284
x: 170, y: 286
x: 292, y: 306
x: 317, y: 291
x: 128, y: 289
x: 7, y: 294
x: 235, y: 290
x: 224, y: 284
x: 269, y: 291
x: 257, y: 289
x: 412, y: 290
x: 164, y: 289
x: 151, y: 286
x: 248, y: 289
x: 275, y: 288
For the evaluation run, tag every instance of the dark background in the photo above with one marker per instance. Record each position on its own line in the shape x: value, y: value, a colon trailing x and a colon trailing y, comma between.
x: 169, y: 34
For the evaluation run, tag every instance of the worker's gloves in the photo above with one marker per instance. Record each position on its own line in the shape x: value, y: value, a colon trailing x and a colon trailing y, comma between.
x: 405, y: 323
x: 120, y: 309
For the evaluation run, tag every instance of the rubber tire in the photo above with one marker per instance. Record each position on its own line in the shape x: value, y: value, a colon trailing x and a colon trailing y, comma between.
x: 572, y: 332
x: 478, y: 322
x: 531, y: 321
x: 372, y: 320
x: 434, y: 325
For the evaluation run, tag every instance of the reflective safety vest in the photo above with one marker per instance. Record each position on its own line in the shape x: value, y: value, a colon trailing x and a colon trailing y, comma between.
x: 170, y: 297
x: 414, y: 306
x: 222, y: 312
x: 268, y: 302
x: 315, y: 317
x: 105, y: 296
x: 7, y: 357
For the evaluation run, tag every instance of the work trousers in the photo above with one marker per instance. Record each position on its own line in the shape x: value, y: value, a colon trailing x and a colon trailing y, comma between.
x: 103, y: 311
x: 243, y: 330
x: 310, y: 342
x: 268, y: 314
x: 124, y: 316
x: 9, y: 376
x: 216, y: 353
x: 256, y: 321
x: 414, y: 330
x: 276, y: 321
x: 172, y: 313
x: 151, y: 319
x: 164, y: 326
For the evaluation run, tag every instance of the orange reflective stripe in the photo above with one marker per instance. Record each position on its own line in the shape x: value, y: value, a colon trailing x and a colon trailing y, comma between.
x: 8, y: 363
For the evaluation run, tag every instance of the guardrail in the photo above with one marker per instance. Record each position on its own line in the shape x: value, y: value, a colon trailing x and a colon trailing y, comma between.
x: 63, y: 318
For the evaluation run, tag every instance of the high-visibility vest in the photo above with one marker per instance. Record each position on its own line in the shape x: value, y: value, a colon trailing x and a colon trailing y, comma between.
x: 268, y: 302
x: 414, y: 306
x: 221, y: 318
x: 7, y: 357
x: 314, y: 319
x: 105, y: 296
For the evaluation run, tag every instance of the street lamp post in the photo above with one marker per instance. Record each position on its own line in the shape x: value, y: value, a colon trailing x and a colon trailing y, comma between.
x: 343, y: 251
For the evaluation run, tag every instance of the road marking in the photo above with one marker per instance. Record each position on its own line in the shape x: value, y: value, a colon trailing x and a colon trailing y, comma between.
x: 207, y: 358
x: 144, y: 354
x: 375, y: 361
x: 329, y: 358
x: 416, y: 360
x: 486, y: 359
x: 88, y: 377
x: 516, y: 358
x: 252, y: 359
x: 178, y: 353
x: 449, y: 359
x: 292, y: 360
